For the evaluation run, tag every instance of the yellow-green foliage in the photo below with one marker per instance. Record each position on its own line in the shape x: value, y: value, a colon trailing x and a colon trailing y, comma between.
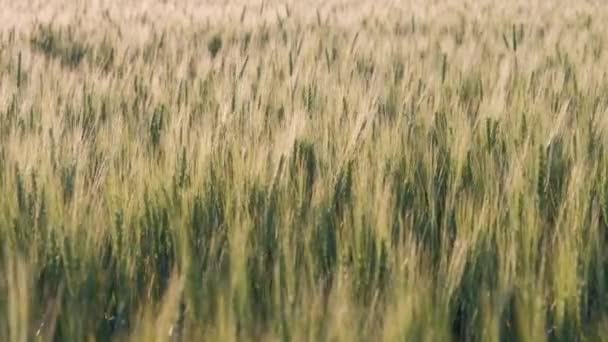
x: 341, y: 170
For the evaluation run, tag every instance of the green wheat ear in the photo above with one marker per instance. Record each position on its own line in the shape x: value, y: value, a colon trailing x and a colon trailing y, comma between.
x: 514, y: 37
x: 214, y: 46
x: 444, y: 67
x: 19, y: 70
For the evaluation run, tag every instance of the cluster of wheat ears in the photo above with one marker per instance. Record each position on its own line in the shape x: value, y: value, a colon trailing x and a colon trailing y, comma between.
x: 301, y: 170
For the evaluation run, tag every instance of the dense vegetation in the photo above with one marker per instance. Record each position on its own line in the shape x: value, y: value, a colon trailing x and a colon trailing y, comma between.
x: 350, y: 170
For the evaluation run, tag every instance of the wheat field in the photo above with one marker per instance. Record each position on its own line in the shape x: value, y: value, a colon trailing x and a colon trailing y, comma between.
x: 303, y: 171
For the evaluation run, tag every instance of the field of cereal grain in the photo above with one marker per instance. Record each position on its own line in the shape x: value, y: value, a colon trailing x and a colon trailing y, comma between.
x: 303, y: 170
